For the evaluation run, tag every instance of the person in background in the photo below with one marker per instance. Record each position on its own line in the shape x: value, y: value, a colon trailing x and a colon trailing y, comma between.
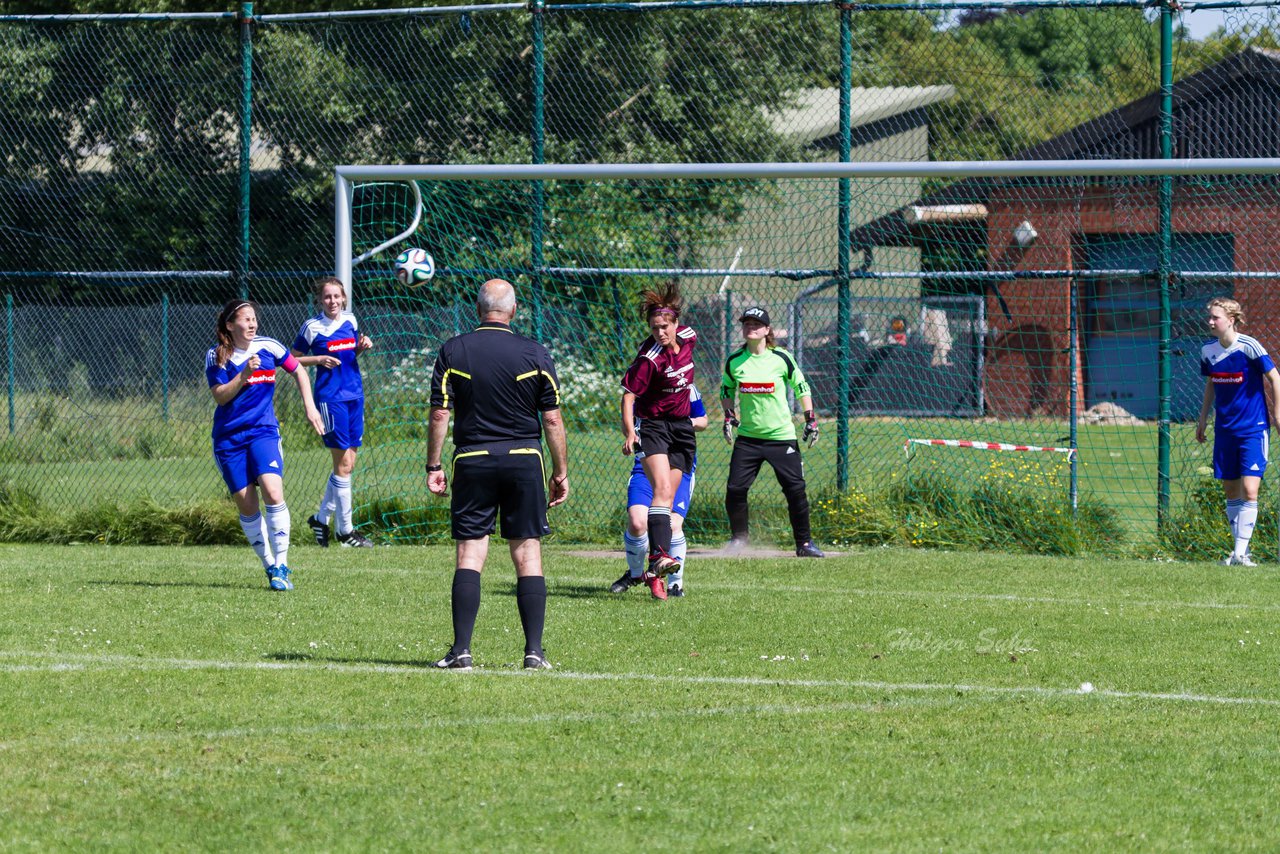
x: 1237, y: 371
x: 248, y: 450
x: 330, y: 342
x: 635, y: 539
x: 753, y: 394
x: 655, y: 390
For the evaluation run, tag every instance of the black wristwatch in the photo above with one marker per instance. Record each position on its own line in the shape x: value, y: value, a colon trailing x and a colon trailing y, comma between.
x: 431, y: 468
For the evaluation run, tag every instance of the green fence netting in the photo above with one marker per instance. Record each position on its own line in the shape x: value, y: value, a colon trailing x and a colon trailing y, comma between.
x: 155, y: 168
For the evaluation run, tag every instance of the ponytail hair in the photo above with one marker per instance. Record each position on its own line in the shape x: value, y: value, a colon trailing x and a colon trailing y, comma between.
x: 1229, y: 307
x: 226, y: 344
x: 667, y: 300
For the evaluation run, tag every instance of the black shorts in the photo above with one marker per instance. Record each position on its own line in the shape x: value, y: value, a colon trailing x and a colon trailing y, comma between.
x: 510, y: 480
x: 672, y: 437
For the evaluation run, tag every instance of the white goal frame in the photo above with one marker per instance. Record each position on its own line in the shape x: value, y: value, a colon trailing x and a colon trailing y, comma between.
x: 345, y: 178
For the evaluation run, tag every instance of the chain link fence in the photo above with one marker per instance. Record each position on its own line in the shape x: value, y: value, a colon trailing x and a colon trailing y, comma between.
x: 156, y: 166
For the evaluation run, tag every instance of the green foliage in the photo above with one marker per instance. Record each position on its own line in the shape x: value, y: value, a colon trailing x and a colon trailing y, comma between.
x: 1198, y: 529
x: 1011, y: 506
x: 136, y: 521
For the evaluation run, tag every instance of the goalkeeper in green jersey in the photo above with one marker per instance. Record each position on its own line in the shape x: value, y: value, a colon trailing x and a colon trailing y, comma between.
x: 753, y: 394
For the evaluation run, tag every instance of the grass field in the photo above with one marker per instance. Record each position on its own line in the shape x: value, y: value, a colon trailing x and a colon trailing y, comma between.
x: 163, y: 699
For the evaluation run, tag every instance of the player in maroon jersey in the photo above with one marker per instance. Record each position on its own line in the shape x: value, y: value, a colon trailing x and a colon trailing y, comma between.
x: 655, y: 419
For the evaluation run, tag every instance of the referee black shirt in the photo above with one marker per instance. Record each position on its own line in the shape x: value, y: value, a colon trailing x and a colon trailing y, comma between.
x: 497, y: 383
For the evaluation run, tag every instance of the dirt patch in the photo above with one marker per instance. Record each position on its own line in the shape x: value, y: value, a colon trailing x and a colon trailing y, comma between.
x: 702, y: 554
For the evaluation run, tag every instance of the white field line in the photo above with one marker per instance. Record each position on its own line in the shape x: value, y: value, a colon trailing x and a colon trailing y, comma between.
x: 869, y: 593
x: 89, y: 661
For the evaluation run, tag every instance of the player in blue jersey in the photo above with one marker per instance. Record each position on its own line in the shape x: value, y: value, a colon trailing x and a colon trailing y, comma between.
x: 1237, y: 371
x: 241, y: 370
x: 330, y: 342
x: 635, y: 539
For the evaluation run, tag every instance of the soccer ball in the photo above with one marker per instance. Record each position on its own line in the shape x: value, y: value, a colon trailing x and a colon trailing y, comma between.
x: 415, y: 266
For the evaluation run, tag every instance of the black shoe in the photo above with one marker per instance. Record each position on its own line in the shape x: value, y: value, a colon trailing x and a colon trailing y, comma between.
x: 455, y: 660
x: 355, y: 540
x: 675, y: 591
x: 625, y: 583
x: 321, y: 530
x: 808, y: 550
x: 535, y: 661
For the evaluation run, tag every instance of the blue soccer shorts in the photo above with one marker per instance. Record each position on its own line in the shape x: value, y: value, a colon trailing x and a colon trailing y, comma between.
x: 242, y: 466
x: 1235, y: 457
x: 640, y: 492
x: 343, y: 423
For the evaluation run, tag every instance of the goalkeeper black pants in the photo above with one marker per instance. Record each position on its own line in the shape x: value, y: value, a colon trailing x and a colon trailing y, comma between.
x: 784, y: 456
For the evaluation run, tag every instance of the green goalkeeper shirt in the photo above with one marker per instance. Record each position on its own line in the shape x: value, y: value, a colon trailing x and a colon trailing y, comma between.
x: 760, y: 385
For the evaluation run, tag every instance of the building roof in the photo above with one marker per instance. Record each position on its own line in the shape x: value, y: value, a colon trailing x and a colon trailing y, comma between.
x: 1231, y: 109
x: 816, y: 114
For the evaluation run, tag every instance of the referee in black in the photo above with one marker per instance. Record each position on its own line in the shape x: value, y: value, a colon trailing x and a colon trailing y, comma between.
x: 503, y: 392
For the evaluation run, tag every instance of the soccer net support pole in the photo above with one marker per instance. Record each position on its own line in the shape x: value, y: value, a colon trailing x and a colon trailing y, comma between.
x: 343, y: 196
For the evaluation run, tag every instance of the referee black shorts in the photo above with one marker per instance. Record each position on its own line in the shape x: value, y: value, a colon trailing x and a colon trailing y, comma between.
x: 673, y: 437
x: 505, y: 483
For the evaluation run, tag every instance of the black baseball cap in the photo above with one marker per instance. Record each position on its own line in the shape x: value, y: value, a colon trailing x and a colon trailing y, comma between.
x: 756, y: 313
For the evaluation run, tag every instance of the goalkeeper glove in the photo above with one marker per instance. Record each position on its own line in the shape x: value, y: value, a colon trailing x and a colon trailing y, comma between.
x: 810, y: 428
x: 730, y: 421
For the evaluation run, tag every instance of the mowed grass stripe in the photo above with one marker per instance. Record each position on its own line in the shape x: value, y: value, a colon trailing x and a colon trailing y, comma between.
x: 73, y: 662
x: 444, y: 722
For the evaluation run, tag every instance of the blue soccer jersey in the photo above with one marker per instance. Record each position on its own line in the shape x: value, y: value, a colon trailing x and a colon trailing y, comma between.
x: 337, y: 337
x: 1236, y: 374
x: 249, y: 415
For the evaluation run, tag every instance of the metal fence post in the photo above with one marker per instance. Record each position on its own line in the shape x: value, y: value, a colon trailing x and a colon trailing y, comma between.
x: 9, y: 348
x: 1073, y: 362
x: 844, y: 225
x: 536, y: 7
x: 164, y: 356
x: 246, y: 140
x: 1164, y: 266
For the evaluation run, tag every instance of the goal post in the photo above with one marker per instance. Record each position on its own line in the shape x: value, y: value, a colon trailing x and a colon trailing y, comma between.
x: 1030, y: 293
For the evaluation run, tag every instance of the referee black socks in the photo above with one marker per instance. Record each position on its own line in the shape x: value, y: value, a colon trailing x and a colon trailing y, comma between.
x: 466, y: 605
x: 531, y: 599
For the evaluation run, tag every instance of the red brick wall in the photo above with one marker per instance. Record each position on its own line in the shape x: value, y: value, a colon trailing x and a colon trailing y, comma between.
x: 1027, y: 360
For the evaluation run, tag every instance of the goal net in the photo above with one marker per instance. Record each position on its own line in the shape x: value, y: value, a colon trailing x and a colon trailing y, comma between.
x: 1034, y: 303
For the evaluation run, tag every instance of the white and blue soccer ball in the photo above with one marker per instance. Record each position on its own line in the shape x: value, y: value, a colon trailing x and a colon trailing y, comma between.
x: 415, y: 266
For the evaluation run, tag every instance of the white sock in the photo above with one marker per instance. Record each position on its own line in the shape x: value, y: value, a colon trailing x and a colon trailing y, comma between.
x: 256, y: 535
x: 1233, y: 514
x: 278, y: 528
x: 678, y: 550
x: 342, y: 499
x: 1245, y: 523
x: 328, y: 503
x: 637, y: 549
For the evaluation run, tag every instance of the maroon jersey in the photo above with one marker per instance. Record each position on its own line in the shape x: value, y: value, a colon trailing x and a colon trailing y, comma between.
x: 660, y: 379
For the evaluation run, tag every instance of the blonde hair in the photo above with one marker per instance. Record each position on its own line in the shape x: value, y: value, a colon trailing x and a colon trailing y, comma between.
x: 1229, y: 307
x: 318, y: 288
